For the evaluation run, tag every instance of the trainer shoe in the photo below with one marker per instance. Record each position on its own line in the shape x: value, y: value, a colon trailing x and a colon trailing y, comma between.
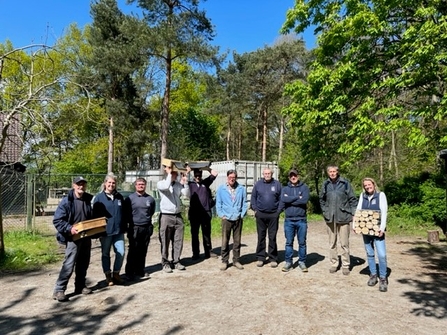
x: 273, y: 264
x: 167, y: 268
x: 259, y: 264
x: 303, y: 267
x: 179, y: 266
x: 346, y: 271
x: 60, y: 296
x: 238, y: 265
x: 372, y: 280
x: 287, y: 266
x: 383, y: 285
x: 332, y: 269
x: 223, y: 266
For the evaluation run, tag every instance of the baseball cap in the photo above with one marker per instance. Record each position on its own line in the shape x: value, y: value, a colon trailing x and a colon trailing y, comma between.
x: 78, y: 180
x: 293, y: 171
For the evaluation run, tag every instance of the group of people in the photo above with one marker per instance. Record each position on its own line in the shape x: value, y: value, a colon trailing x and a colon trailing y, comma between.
x: 268, y: 199
x: 338, y: 204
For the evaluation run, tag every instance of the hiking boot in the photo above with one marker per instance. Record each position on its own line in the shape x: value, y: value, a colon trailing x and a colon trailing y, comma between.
x: 372, y: 280
x: 287, y: 266
x: 383, y: 285
x: 117, y: 280
x: 109, y: 279
x: 273, y: 264
x: 238, y: 265
x: 346, y: 271
x: 179, y: 266
x: 303, y: 267
x: 84, y: 290
x: 167, y: 268
x: 259, y: 264
x: 60, y: 296
x: 332, y: 269
x: 223, y: 266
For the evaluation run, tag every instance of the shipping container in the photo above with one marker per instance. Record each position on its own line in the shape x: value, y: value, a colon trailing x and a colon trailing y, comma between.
x: 248, y: 173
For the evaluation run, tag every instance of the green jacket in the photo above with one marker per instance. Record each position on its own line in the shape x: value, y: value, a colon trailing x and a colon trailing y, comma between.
x: 338, y: 201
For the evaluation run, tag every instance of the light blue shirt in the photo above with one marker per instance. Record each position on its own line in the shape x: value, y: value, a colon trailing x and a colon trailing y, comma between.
x: 231, y: 203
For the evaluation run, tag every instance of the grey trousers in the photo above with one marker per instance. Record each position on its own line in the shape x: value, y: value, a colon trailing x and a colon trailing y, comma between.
x: 77, y: 258
x: 171, y: 230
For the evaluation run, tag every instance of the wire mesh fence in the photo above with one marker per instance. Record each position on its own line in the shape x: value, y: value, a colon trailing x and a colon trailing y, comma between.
x: 29, y: 201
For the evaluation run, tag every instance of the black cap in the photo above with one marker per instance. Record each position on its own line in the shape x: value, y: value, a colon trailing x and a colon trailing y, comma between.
x: 197, y: 171
x: 293, y: 171
x: 78, y: 180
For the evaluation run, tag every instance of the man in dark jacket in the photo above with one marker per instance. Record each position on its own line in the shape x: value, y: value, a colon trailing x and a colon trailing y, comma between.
x: 74, y: 208
x: 294, y: 198
x: 338, y: 203
x: 199, y: 214
x: 264, y: 201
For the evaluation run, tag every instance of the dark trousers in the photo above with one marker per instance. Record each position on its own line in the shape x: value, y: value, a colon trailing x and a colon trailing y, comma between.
x: 267, y: 225
x: 139, y: 238
x: 227, y: 228
x: 171, y: 230
x: 77, y: 258
x: 200, y: 220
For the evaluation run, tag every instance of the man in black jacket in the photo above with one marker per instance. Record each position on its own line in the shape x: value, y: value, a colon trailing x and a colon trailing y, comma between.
x: 74, y: 208
x: 264, y: 201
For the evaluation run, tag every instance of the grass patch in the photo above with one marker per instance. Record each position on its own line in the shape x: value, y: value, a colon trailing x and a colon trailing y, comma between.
x: 28, y: 250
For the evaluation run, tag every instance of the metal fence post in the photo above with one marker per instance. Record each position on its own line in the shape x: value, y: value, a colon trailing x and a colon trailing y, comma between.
x: 29, y: 202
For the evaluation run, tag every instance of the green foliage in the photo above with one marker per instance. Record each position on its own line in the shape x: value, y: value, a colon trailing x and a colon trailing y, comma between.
x: 28, y: 250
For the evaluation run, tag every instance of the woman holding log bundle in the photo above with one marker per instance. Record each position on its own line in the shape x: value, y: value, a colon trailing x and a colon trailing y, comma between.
x: 375, y: 201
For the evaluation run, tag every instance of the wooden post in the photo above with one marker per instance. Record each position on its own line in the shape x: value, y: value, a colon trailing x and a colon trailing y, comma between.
x: 433, y: 236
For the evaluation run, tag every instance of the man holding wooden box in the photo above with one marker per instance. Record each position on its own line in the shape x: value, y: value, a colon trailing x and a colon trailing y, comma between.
x: 74, y: 208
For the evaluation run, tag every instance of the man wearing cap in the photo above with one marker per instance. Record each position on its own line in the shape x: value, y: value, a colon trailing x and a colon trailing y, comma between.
x: 199, y: 214
x: 73, y: 208
x: 294, y: 198
x: 264, y: 201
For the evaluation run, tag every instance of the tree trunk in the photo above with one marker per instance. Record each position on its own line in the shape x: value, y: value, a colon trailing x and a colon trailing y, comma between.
x: 111, y: 143
x: 264, y: 133
x: 281, y: 138
x: 165, y: 107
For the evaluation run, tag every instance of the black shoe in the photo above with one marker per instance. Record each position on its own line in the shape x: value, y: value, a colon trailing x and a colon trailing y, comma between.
x: 60, y: 296
x: 196, y: 257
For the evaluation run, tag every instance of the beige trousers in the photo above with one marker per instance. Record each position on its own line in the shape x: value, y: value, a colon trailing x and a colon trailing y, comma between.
x: 339, y: 233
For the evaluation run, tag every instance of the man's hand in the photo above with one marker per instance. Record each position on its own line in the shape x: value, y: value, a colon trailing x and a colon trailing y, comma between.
x: 73, y: 231
x: 168, y: 169
x: 188, y: 169
x: 214, y: 173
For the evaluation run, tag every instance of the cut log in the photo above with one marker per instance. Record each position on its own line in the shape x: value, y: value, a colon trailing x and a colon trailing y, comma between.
x: 433, y: 236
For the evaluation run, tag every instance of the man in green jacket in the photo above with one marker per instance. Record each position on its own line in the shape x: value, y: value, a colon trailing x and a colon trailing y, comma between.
x: 338, y: 203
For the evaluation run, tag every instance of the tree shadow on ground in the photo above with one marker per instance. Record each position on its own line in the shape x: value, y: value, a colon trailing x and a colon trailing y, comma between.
x: 65, y: 315
x: 429, y: 283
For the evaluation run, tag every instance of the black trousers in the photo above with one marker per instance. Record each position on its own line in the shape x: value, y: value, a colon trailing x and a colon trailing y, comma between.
x: 200, y: 220
x: 267, y: 225
x: 139, y: 238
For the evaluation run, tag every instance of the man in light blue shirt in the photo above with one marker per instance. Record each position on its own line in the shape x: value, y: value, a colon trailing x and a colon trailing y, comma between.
x: 231, y: 207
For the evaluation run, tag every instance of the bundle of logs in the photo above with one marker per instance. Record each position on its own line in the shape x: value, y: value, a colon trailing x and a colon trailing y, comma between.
x: 367, y: 222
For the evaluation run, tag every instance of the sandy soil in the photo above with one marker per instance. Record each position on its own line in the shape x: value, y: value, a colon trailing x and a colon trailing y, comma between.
x: 205, y: 300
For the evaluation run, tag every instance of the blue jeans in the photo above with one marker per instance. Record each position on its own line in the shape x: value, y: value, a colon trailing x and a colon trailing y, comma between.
x: 118, y: 247
x: 298, y: 228
x: 378, y: 244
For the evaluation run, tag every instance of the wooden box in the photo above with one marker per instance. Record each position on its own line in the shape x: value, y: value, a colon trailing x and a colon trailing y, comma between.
x: 90, y: 228
x: 367, y: 222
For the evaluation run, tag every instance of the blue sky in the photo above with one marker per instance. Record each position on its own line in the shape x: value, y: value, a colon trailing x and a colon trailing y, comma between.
x: 241, y: 25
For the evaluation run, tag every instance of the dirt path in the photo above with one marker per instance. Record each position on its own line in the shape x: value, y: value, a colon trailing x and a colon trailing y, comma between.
x: 205, y: 300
